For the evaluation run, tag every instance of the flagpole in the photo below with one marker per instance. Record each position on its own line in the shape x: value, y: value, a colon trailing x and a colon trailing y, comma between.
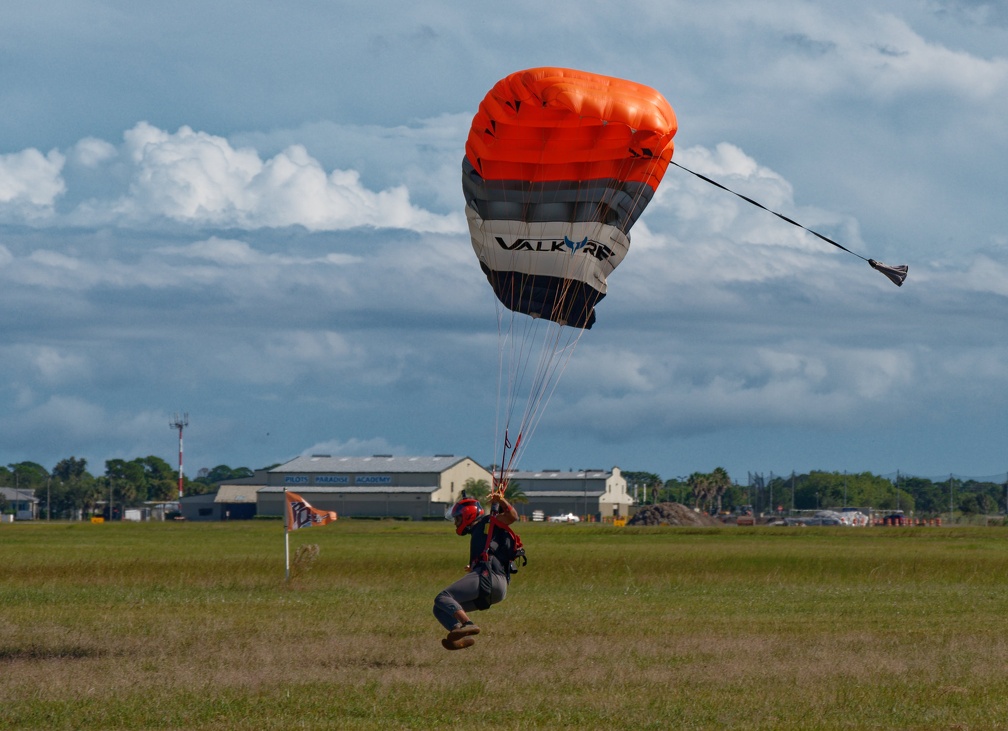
x: 286, y: 512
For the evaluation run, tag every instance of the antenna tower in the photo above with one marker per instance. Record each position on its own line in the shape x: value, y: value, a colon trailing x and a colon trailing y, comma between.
x: 180, y: 423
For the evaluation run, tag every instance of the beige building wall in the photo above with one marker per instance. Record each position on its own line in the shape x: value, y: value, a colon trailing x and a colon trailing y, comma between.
x: 616, y: 500
x: 453, y: 480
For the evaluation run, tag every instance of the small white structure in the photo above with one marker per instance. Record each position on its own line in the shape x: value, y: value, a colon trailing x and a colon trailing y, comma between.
x: 21, y: 504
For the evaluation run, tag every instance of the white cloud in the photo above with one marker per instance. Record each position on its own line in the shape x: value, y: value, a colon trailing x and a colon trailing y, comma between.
x: 355, y: 447
x: 30, y: 183
x: 91, y: 152
x: 49, y: 364
x: 897, y: 59
x: 74, y: 272
x: 66, y: 425
x: 200, y: 178
x: 986, y: 274
x: 234, y: 253
x: 424, y: 155
x: 685, y: 388
x: 810, y: 48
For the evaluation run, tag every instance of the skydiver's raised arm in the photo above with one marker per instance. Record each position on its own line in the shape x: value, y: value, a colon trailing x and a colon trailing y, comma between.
x: 507, y: 514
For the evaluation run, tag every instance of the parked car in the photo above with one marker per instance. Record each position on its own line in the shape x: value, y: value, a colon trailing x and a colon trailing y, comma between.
x: 565, y: 518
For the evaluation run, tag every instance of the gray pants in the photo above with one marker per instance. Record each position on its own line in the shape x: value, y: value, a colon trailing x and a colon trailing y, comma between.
x: 462, y: 595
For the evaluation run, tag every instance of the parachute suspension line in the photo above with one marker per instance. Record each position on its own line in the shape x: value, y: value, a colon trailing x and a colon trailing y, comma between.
x: 504, y: 338
x: 538, y: 333
x: 555, y: 351
x: 553, y: 361
x: 555, y: 172
x: 561, y: 358
x: 517, y: 343
x: 553, y: 358
x: 515, y: 347
x: 558, y: 343
x: 502, y: 403
x: 896, y: 274
x: 500, y: 481
x: 554, y: 354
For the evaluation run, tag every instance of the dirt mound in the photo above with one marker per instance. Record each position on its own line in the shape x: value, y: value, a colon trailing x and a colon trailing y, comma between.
x: 670, y: 514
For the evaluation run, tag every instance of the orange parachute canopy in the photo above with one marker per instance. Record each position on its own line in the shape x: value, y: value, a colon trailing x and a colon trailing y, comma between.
x: 561, y: 124
x: 559, y: 165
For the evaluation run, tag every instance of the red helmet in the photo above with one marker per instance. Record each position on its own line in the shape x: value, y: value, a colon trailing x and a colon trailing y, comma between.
x: 469, y: 510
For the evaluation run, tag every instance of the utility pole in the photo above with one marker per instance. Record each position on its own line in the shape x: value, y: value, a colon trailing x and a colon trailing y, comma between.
x: 180, y: 423
x: 951, y: 503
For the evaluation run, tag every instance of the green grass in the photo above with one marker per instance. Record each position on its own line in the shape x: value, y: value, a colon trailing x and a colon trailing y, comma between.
x: 192, y: 626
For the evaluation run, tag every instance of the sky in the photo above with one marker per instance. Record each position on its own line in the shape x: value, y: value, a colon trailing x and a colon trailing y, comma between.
x: 252, y: 212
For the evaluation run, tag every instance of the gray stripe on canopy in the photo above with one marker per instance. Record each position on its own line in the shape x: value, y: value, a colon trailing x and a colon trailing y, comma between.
x: 587, y: 201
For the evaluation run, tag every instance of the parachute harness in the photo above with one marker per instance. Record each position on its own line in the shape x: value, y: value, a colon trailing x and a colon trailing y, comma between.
x: 482, y: 600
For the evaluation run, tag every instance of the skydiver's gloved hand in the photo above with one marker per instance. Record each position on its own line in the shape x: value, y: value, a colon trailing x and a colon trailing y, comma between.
x: 505, y: 511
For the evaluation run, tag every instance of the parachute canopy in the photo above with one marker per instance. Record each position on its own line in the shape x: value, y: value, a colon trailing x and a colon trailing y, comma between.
x: 559, y: 165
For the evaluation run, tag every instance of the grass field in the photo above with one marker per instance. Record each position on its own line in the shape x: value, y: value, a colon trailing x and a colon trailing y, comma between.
x: 192, y: 626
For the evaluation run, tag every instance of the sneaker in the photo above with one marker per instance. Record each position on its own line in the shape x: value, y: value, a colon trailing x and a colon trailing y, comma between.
x: 460, y: 644
x: 463, y: 630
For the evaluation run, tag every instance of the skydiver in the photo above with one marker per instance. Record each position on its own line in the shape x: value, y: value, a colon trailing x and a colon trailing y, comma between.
x: 488, y: 573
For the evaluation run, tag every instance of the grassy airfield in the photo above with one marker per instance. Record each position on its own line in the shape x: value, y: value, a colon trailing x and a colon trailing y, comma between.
x: 192, y: 626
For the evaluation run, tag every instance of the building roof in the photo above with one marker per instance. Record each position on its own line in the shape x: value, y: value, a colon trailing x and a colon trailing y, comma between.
x: 22, y: 494
x: 351, y: 490
x: 237, y: 494
x: 376, y: 463
x: 558, y: 475
x: 564, y: 493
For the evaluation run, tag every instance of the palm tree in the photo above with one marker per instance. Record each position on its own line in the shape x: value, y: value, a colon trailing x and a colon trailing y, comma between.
x: 720, y: 482
x: 479, y: 489
x: 700, y: 485
x: 514, y: 493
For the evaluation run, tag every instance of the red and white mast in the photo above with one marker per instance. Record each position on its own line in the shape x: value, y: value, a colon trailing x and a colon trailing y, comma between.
x: 180, y: 423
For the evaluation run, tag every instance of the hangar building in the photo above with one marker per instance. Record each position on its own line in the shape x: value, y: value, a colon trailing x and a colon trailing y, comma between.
x: 380, y: 485
x: 404, y: 487
x: 585, y: 492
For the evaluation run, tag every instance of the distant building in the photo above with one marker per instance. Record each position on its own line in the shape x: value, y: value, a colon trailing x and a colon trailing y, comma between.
x: 382, y: 485
x: 602, y: 493
x: 234, y: 500
x: 199, y: 507
x: 238, y: 499
x: 417, y: 488
x: 21, y: 504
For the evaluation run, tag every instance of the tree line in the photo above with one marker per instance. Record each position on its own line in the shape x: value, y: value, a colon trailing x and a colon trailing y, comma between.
x: 716, y: 492
x: 69, y: 490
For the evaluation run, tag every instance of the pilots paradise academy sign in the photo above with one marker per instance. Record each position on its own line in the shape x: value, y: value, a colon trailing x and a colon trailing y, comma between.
x: 337, y: 480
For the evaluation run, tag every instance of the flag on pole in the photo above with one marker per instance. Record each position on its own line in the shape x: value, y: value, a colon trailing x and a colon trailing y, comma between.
x: 302, y: 515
